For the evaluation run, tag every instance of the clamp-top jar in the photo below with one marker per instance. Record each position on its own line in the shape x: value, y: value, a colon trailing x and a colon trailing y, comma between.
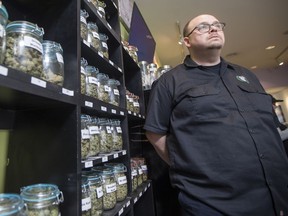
x: 12, y: 205
x: 42, y: 199
x: 3, y: 22
x: 93, y: 37
x: 53, y: 63
x: 24, y: 47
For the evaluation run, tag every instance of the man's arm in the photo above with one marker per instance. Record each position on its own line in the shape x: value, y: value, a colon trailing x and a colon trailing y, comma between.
x: 159, y: 143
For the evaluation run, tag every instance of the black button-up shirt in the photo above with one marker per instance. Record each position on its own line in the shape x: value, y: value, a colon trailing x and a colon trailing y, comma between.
x: 223, y: 144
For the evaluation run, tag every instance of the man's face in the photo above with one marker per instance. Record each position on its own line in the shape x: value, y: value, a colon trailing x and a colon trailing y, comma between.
x: 212, y: 39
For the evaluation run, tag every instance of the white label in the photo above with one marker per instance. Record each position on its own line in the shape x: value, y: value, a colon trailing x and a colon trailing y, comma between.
x: 128, y: 203
x: 124, y: 152
x: 59, y: 57
x: 119, y: 69
x: 100, y: 54
x: 86, y: 43
x: 85, y: 134
x: 88, y: 104
x: 95, y: 35
x: 1, y: 31
x: 93, y: 80
x: 104, y: 108
x: 99, y: 192
x: 116, y: 92
x: 140, y: 194
x: 113, y: 111
x: 104, y: 45
x: 33, y: 43
x: 82, y: 70
x: 67, y: 92
x: 94, y: 130
x: 88, y: 164
x: 104, y: 159
x: 86, y: 204
x: 135, y: 104
x: 129, y: 112
x: 134, y: 173
x: 38, y: 82
x: 121, y: 211
x: 135, y: 200
x: 108, y: 129
x: 140, y: 171
x: 121, y: 113
x: 144, y: 167
x: 116, y: 155
x: 112, y: 63
x: 3, y: 71
x: 110, y: 188
x: 83, y: 19
x: 122, y: 180
x: 107, y: 88
x: 119, y: 129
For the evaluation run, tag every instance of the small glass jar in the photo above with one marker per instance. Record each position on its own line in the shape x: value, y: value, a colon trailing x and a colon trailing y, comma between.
x: 3, y: 23
x: 133, y: 53
x: 101, y: 8
x: 86, y: 204
x: 152, y: 69
x: 93, y: 37
x: 92, y: 82
x: 119, y: 171
x: 24, y: 49
x: 83, y: 24
x: 94, y: 131
x: 96, y: 192
x: 136, y: 105
x: 129, y: 101
x: 117, y: 135
x: 85, y: 137
x: 106, y: 138
x: 109, y: 186
x: 103, y: 88
x: 114, y: 95
x: 103, y: 45
x: 42, y: 199
x: 12, y: 205
x: 139, y: 172
x: 83, y: 75
x: 53, y: 63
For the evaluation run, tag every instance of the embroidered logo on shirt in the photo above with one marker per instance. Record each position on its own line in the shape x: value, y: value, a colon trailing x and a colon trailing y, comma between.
x: 242, y: 79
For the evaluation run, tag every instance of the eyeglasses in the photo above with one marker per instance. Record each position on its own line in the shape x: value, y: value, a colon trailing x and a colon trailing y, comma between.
x: 206, y: 27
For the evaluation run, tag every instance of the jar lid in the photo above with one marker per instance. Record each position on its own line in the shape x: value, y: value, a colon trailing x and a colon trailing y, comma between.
x: 92, y: 25
x: 3, y: 12
x: 10, y: 204
x: 24, y: 26
x: 104, y: 171
x: 91, y: 69
x: 47, y: 44
x: 103, y: 36
x: 113, y: 82
x: 92, y: 176
x: 117, y: 167
x: 40, y: 193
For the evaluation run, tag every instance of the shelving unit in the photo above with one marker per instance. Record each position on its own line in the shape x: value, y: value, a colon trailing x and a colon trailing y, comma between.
x: 43, y: 119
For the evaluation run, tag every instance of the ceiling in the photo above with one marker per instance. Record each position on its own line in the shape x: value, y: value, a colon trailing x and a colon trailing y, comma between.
x: 251, y: 26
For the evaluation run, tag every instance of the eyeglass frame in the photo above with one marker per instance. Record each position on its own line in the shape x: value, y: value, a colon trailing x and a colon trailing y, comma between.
x: 210, y: 25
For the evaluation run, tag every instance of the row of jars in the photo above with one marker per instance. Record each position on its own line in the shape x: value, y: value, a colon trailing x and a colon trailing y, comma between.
x: 132, y: 102
x: 151, y: 72
x: 102, y: 187
x: 100, y: 136
x: 132, y: 50
x: 139, y: 171
x: 89, y: 32
x: 99, y: 85
x: 38, y: 199
x: 23, y: 48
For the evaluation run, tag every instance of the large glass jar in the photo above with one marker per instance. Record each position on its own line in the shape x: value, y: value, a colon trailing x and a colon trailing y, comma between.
x: 152, y: 69
x: 86, y: 197
x: 24, y: 49
x: 92, y: 82
x: 103, y: 45
x: 94, y: 131
x: 83, y: 24
x: 84, y: 63
x: 109, y: 186
x: 114, y: 95
x: 106, y: 138
x: 12, y: 205
x: 85, y: 136
x: 3, y: 22
x: 96, y: 192
x: 119, y: 171
x: 144, y: 73
x: 42, y: 199
x: 93, y: 37
x: 133, y: 53
x: 53, y: 63
x: 117, y: 135
x: 103, y: 88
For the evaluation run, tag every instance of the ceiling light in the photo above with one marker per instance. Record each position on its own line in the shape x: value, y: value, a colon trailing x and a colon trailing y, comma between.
x: 281, y: 63
x: 270, y: 47
x: 254, y: 67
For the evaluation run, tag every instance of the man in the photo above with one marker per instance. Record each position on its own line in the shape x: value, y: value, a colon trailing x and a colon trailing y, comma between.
x: 213, y: 123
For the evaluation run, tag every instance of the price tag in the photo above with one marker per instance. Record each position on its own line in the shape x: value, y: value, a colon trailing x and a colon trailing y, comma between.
x: 67, y: 92
x: 86, y: 43
x: 3, y: 71
x: 139, y: 116
x: 103, y: 108
x: 113, y: 111
x: 149, y: 185
x: 124, y: 152
x: 121, y: 113
x: 135, y: 114
x: 121, y: 211
x: 145, y: 189
x: 100, y: 54
x: 119, y: 69
x: 88, y: 164
x: 38, y: 82
x: 135, y: 200
x: 116, y: 155
x: 112, y: 63
x: 128, y: 203
x: 88, y: 104
x: 129, y: 112
x: 104, y: 159
x: 140, y: 194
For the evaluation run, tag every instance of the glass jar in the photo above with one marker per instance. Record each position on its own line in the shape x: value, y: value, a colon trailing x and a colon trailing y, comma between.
x: 95, y: 3
x: 96, y: 192
x: 92, y: 82
x: 93, y: 37
x: 152, y: 69
x: 114, y: 95
x: 86, y: 197
x: 117, y: 135
x: 106, y: 139
x: 109, y: 186
x: 144, y: 73
x: 119, y: 171
x: 3, y: 23
x: 136, y: 105
x: 24, y: 49
x: 125, y: 45
x: 139, y: 171
x: 83, y: 75
x: 12, y: 205
x: 129, y: 101
x: 42, y: 199
x: 83, y: 24
x: 53, y: 63
x: 133, y: 53
x: 101, y: 8
x: 85, y: 137
x: 103, y: 45
x: 94, y: 131
x: 103, y: 88
x: 134, y: 177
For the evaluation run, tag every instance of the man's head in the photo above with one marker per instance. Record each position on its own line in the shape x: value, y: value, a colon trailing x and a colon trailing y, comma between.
x: 204, y: 32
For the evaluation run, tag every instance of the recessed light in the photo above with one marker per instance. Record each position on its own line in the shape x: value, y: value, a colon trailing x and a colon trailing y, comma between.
x: 270, y: 47
x: 254, y: 67
x: 281, y: 63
